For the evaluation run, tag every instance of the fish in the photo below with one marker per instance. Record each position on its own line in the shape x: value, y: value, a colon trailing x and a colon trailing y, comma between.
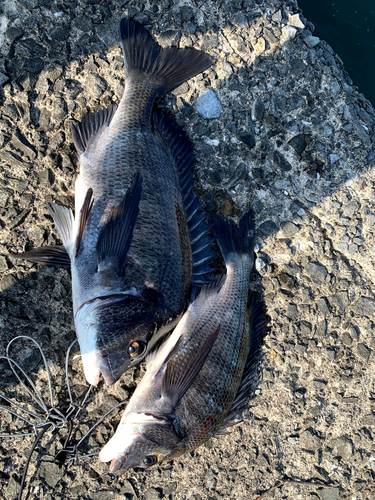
x: 139, y: 239
x: 198, y: 380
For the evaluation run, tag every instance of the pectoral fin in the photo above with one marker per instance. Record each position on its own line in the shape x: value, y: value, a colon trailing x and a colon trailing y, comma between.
x: 55, y: 256
x: 84, y: 215
x: 185, y: 365
x: 116, y: 235
x: 64, y: 220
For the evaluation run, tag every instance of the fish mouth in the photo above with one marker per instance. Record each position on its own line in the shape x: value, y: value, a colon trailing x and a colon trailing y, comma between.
x: 118, y: 463
x: 106, y: 371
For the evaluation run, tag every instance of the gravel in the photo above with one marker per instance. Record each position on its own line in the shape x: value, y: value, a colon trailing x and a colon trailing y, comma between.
x: 277, y: 125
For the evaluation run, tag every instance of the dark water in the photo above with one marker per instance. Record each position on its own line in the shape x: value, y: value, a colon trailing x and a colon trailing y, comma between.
x: 349, y: 27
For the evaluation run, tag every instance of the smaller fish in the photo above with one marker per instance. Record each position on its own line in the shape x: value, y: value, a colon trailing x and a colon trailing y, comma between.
x: 197, y: 381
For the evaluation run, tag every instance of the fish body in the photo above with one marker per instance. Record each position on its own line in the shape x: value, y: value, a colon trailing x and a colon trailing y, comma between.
x: 192, y: 380
x: 130, y: 244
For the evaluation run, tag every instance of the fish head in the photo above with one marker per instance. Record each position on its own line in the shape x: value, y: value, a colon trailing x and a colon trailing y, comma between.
x: 114, y: 333
x: 141, y: 443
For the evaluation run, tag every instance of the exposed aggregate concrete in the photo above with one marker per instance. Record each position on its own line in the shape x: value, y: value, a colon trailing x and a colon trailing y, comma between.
x: 288, y: 135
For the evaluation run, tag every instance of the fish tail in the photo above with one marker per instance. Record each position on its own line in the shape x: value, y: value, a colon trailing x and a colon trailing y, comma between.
x: 166, y: 68
x: 235, y: 241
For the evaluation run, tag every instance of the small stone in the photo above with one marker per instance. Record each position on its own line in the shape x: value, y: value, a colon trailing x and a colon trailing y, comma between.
x: 311, y: 41
x: 321, y: 329
x: 310, y: 441
x: 260, y: 45
x: 51, y: 472
x: 247, y: 139
x: 289, y: 228
x: 298, y: 143
x: 329, y: 494
x: 344, y: 446
x: 346, y: 339
x: 331, y: 354
x: 317, y: 272
x: 365, y: 306
x: 333, y: 158
x: 268, y: 228
x: 152, y: 494
x: 208, y: 105
x: 342, y: 247
x: 186, y: 13
x: 3, y: 264
x: 340, y: 300
x: 363, y: 351
x: 280, y: 162
x: 257, y: 110
x: 353, y: 248
x: 322, y: 306
x: 294, y: 20
x: 46, y: 176
x: 293, y: 439
x: 292, y: 311
x: 351, y: 208
x: 3, y: 78
x: 287, y: 33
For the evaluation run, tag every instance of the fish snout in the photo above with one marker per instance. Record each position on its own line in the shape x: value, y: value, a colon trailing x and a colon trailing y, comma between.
x: 106, y: 371
x: 118, y: 463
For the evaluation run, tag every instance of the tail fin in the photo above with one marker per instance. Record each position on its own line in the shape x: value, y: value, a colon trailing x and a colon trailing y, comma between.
x: 235, y: 240
x: 167, y: 68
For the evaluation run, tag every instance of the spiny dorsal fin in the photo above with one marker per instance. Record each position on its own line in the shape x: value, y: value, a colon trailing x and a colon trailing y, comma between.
x: 116, y: 235
x: 165, y: 68
x: 90, y: 125
x: 55, y: 256
x: 182, y: 155
x: 83, y: 217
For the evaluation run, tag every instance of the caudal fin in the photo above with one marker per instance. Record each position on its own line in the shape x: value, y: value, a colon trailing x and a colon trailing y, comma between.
x: 235, y: 240
x: 166, y: 68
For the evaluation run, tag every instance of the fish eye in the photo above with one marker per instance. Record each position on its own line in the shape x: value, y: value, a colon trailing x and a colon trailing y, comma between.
x: 136, y: 348
x: 150, y: 460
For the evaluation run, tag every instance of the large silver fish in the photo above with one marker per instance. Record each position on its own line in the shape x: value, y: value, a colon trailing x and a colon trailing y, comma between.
x: 197, y: 381
x: 138, y: 239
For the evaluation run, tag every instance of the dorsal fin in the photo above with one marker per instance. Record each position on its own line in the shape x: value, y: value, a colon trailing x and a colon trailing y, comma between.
x: 90, y: 125
x: 258, y: 330
x: 182, y: 155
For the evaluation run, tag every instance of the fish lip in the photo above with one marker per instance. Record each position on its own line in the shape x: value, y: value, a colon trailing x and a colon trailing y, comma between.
x: 106, y: 371
x: 118, y: 463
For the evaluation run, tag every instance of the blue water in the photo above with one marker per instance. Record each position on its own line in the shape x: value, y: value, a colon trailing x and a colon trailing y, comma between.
x: 349, y: 27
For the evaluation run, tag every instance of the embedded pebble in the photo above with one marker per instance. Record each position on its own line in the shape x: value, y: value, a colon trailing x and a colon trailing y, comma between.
x: 208, y: 105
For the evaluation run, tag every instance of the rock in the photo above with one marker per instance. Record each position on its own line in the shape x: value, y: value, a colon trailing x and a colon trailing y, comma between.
x: 363, y: 351
x: 343, y: 445
x: 342, y: 247
x: 321, y: 329
x: 46, y: 176
x: 333, y: 158
x: 280, y: 162
x: 260, y: 45
x: 186, y: 13
x: 51, y: 472
x: 103, y: 495
x: 3, y: 78
x: 322, y: 306
x: 257, y: 110
x: 208, y: 105
x: 289, y: 228
x: 340, y: 300
x: 310, y: 441
x: 268, y: 228
x: 298, y: 143
x: 294, y: 20
x: 247, y: 139
x: 365, y: 307
x: 346, y: 339
x: 152, y: 494
x: 317, y: 272
x: 311, y: 41
x: 351, y: 208
x: 287, y: 33
x: 329, y: 494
